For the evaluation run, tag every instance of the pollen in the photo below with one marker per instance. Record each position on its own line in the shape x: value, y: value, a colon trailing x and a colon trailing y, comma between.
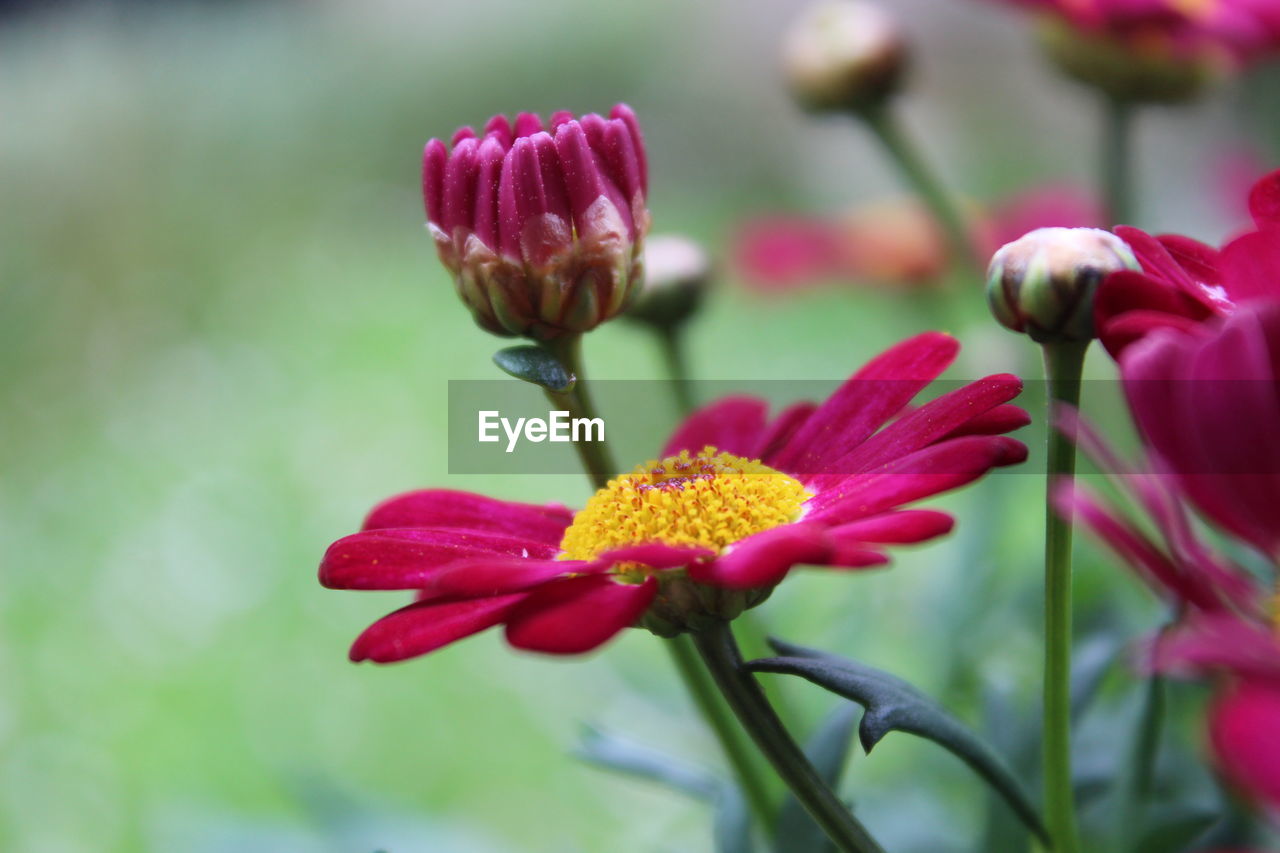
x: 708, y: 499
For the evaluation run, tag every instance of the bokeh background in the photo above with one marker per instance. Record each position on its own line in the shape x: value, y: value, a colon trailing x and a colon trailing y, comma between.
x: 224, y: 335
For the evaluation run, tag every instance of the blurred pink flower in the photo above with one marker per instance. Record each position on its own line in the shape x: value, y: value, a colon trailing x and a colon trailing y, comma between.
x: 892, y: 242
x: 1236, y: 30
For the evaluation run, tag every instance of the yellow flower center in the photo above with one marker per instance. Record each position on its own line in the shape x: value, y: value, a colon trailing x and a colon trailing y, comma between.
x: 709, y: 500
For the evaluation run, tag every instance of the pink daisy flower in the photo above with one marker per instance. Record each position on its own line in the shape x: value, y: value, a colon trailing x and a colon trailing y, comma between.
x: 736, y: 502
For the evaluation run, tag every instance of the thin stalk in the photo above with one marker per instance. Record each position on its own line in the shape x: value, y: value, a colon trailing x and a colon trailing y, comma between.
x: 1137, y: 782
x: 1064, y: 364
x: 676, y: 361
x: 1117, y: 160
x: 742, y: 759
x: 596, y: 459
x: 723, y: 660
x: 925, y: 183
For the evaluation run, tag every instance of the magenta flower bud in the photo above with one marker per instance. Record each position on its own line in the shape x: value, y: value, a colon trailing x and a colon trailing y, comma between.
x: 541, y: 225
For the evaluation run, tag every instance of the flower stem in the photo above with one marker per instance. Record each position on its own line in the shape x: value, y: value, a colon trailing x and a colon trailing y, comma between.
x: 676, y: 360
x: 1064, y: 363
x: 595, y: 456
x: 924, y: 182
x: 711, y: 704
x: 723, y: 660
x: 1117, y: 160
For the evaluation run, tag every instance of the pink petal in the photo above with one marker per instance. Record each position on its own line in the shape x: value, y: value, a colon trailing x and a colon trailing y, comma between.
x: 628, y: 117
x: 1264, y: 200
x: 1218, y: 642
x: 765, y: 558
x: 578, y: 615
x: 461, y: 135
x: 527, y: 124
x: 783, y: 427
x: 731, y: 425
x: 1244, y: 728
x: 896, y: 528
x: 1198, y: 259
x: 997, y: 421
x: 930, y: 423
x: 486, y: 577
x: 406, y: 558
x: 933, y: 470
x: 425, y: 627
x: 468, y: 511
x: 655, y: 555
x: 459, y: 202
x: 500, y: 130
x: 434, y: 159
x: 1251, y: 265
x: 863, y: 403
x: 488, y: 174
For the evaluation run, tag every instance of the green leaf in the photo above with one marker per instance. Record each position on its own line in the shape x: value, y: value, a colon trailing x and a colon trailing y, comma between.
x: 620, y: 755
x: 828, y: 751
x: 1172, y: 830
x: 894, y: 705
x: 732, y: 827
x: 534, y: 364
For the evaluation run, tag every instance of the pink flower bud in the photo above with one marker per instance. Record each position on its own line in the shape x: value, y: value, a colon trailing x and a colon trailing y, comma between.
x: 542, y: 228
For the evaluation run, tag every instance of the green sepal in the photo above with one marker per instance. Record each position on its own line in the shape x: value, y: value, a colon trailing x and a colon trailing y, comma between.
x: 534, y: 364
x: 894, y: 705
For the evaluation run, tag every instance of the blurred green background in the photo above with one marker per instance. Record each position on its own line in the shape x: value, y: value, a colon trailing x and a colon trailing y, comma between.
x: 224, y: 336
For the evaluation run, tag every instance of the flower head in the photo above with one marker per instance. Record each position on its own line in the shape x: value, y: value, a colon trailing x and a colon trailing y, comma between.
x: 677, y: 275
x: 1043, y: 283
x: 735, y: 502
x: 1155, y: 50
x: 542, y: 226
x: 1184, y: 283
x: 1229, y: 620
x: 844, y: 55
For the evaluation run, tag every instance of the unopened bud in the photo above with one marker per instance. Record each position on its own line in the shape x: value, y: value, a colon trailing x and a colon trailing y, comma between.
x: 541, y: 226
x: 1154, y: 70
x: 1043, y: 284
x: 677, y: 273
x: 844, y: 55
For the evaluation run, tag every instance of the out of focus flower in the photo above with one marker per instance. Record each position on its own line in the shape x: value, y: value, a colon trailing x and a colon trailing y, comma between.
x: 736, y: 501
x: 1208, y: 404
x: 845, y: 55
x: 1043, y: 283
x: 894, y: 242
x: 1228, y: 618
x: 542, y: 226
x: 1184, y: 283
x: 677, y: 275
x: 1155, y: 50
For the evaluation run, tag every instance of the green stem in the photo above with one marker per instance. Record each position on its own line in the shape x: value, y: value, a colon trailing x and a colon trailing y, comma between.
x: 723, y: 660
x: 595, y: 456
x: 1139, y: 775
x: 1117, y: 161
x: 924, y: 182
x: 744, y: 762
x: 1064, y: 364
x: 677, y: 363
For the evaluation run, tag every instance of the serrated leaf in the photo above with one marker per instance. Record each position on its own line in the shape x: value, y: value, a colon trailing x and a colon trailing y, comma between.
x: 621, y: 755
x: 894, y: 705
x: 536, y: 365
x: 828, y: 751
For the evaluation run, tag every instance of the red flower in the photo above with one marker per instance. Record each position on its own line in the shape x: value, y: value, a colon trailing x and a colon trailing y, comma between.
x: 1240, y: 30
x: 541, y: 228
x: 893, y: 242
x: 1208, y: 405
x: 738, y: 500
x: 1228, y: 625
x: 1183, y: 282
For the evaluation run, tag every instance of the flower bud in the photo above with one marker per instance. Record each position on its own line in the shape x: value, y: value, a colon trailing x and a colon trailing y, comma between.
x: 844, y: 55
x: 1043, y: 283
x: 677, y: 272
x: 1148, y: 71
x: 541, y: 226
